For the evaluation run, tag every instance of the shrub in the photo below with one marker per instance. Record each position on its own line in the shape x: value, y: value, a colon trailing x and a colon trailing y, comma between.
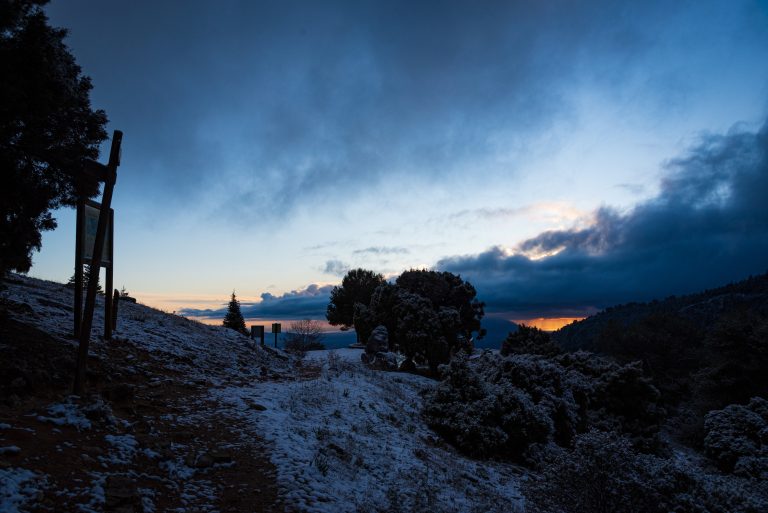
x: 304, y: 335
x: 505, y: 406
x: 736, y: 438
x: 604, y: 474
x: 529, y: 340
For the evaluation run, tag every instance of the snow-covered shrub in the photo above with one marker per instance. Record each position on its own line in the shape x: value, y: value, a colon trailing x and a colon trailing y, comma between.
x: 468, y: 410
x: 529, y: 340
x: 503, y: 406
x: 736, y: 438
x: 617, y: 397
x: 603, y: 473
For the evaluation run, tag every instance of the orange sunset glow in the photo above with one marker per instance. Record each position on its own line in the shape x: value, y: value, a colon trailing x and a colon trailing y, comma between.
x: 548, y: 323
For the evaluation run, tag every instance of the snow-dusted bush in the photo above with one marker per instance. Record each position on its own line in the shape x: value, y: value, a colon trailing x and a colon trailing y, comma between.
x: 617, y: 397
x: 736, y: 438
x: 603, y: 473
x: 529, y: 340
x: 503, y: 406
x: 482, y: 418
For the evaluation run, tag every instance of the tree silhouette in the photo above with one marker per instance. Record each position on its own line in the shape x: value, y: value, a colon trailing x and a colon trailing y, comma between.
x: 47, y: 130
x: 234, y: 318
x: 86, y: 275
x: 356, y: 287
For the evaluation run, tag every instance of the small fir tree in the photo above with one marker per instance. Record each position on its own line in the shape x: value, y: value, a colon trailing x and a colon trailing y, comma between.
x: 234, y: 318
x: 86, y: 275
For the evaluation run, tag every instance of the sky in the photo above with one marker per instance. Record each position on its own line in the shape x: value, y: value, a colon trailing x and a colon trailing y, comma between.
x: 561, y: 156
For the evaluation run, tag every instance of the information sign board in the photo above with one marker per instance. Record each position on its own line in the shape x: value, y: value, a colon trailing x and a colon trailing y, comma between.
x: 90, y: 224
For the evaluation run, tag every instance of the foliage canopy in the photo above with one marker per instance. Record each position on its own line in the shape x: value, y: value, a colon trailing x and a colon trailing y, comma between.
x: 47, y: 130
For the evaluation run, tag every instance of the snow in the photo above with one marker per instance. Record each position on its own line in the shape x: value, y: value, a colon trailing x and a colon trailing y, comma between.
x: 124, y: 449
x: 353, y: 440
x: 348, y: 440
x: 190, y: 347
x: 66, y: 414
x: 17, y: 487
x: 11, y: 449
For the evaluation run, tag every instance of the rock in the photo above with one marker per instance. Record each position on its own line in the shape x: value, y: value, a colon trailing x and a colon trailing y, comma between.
x: 205, y: 460
x: 378, y: 342
x: 120, y: 393
x: 380, y: 361
x: 220, y: 457
x: 11, y: 450
x: 120, y: 494
x: 99, y: 412
x: 407, y: 366
x: 92, y: 450
x: 255, y: 406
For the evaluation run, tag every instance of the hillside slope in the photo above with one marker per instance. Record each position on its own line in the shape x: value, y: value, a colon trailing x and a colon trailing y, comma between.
x: 145, y: 438
x: 702, y: 310
x: 182, y: 416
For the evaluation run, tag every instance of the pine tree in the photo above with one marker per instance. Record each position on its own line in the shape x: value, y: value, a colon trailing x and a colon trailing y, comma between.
x: 234, y: 318
x: 86, y: 274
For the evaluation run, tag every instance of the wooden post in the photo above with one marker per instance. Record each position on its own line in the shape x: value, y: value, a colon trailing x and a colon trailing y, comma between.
x: 109, y: 285
x: 101, y: 230
x: 115, y: 303
x: 79, y: 243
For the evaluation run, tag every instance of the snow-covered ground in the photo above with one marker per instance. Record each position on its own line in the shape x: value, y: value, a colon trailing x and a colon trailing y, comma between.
x: 343, y: 438
x: 353, y: 440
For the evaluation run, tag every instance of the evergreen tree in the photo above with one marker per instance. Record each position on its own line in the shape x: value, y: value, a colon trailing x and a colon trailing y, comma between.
x: 234, y: 318
x: 356, y: 289
x: 86, y: 274
x: 47, y: 130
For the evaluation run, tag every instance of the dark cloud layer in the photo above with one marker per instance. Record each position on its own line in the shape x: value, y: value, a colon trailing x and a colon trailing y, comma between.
x: 309, y: 303
x: 299, y: 102
x: 707, y: 226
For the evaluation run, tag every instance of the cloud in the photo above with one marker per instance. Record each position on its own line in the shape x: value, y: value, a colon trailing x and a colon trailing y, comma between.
x: 307, y: 103
x: 309, y: 303
x: 383, y: 250
x: 707, y: 226
x: 335, y: 267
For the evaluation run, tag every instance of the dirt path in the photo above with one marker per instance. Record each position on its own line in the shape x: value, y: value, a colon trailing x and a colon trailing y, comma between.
x: 145, y: 439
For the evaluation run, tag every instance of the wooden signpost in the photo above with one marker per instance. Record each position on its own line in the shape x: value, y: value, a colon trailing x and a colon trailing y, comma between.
x: 257, y: 331
x: 276, y: 330
x: 96, y: 254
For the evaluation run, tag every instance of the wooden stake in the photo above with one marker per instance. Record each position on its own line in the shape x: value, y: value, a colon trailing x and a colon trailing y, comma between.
x: 109, y: 285
x: 115, y: 303
x: 79, y: 243
x: 93, y: 277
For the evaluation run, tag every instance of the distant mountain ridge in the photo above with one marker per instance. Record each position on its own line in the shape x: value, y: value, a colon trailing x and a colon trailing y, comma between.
x: 703, y: 309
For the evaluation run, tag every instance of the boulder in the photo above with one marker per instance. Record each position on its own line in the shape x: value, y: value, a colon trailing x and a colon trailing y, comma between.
x: 380, y: 361
x: 378, y: 342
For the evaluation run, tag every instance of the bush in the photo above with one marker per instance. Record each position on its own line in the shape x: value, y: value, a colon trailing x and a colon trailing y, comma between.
x: 302, y: 336
x: 604, y: 474
x: 505, y: 406
x: 736, y: 438
x: 429, y: 316
x: 482, y: 418
x: 529, y: 340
